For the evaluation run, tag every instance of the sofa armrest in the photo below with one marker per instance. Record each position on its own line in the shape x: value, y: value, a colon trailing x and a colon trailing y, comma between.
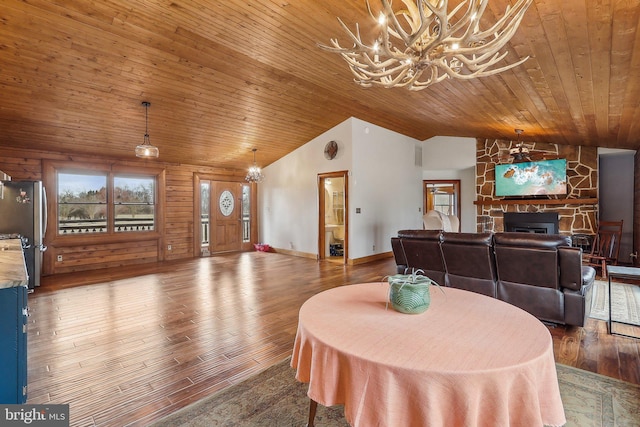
x: 398, y: 252
x: 588, y: 276
x: 571, y: 270
x: 577, y: 303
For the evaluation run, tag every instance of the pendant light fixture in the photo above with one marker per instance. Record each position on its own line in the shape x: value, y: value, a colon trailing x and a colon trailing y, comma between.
x: 146, y: 150
x: 254, y: 174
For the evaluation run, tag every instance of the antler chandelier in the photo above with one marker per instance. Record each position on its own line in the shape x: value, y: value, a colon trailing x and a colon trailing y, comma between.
x: 423, y: 44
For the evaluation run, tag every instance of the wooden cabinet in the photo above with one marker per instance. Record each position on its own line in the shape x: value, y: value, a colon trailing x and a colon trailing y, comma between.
x: 13, y: 345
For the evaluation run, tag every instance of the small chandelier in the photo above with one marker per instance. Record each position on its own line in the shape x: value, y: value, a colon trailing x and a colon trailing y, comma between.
x: 422, y: 44
x: 146, y: 150
x: 254, y: 174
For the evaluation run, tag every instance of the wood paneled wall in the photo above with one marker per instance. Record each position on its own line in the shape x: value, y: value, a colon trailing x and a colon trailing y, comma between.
x: 636, y: 208
x: 176, y: 229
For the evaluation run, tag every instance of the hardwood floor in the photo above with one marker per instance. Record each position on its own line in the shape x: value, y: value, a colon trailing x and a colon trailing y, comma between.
x: 129, y: 346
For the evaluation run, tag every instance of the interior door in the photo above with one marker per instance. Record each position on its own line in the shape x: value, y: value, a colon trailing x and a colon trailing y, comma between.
x: 226, y: 206
x: 333, y: 224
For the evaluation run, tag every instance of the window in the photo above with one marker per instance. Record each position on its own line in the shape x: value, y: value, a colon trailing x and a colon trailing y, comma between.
x: 82, y: 203
x: 134, y: 203
x: 246, y: 213
x: 205, y: 187
x: 95, y: 201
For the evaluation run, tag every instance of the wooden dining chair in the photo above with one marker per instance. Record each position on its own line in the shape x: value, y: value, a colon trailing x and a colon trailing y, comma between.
x: 606, y: 246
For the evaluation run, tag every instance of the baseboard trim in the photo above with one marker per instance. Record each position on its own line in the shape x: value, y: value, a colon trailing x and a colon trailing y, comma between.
x: 350, y: 261
x: 370, y: 258
x: 294, y: 253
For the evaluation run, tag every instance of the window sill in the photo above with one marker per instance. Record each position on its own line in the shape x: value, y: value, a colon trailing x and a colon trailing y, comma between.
x: 91, y: 238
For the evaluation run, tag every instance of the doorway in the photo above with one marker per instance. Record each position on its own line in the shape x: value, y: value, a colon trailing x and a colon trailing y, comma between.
x: 442, y: 196
x: 333, y: 224
x: 616, y: 197
x: 223, y: 213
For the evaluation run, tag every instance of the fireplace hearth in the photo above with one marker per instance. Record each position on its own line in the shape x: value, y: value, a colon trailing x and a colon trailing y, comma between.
x: 537, y: 222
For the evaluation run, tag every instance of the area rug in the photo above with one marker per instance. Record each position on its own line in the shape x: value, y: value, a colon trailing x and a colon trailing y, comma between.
x: 273, y: 398
x: 625, y: 302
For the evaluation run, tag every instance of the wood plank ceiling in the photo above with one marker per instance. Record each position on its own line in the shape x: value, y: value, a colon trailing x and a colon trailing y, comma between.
x: 226, y: 76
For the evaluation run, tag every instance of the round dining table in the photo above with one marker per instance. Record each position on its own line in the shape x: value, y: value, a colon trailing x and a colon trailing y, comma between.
x: 469, y: 360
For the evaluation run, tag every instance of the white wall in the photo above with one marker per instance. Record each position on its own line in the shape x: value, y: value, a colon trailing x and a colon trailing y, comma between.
x: 445, y: 157
x: 448, y: 153
x: 384, y: 184
x: 288, y: 197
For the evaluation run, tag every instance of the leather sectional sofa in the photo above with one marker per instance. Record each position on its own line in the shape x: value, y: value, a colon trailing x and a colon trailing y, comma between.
x: 540, y: 273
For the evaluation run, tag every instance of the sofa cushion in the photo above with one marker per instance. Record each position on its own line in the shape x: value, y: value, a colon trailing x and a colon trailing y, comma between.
x: 469, y: 255
x: 479, y: 286
x: 529, y: 266
x: 421, y: 251
x: 529, y: 258
x: 484, y: 239
x: 469, y: 262
x: 532, y: 240
x: 420, y: 234
x: 544, y: 303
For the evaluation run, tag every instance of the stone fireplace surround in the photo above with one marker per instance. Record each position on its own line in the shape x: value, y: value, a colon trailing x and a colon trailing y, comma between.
x: 577, y: 212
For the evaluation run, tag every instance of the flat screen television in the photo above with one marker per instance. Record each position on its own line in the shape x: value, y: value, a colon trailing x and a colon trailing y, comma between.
x: 538, y: 178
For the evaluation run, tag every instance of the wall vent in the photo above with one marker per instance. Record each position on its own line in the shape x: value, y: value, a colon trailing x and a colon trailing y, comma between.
x: 418, y: 155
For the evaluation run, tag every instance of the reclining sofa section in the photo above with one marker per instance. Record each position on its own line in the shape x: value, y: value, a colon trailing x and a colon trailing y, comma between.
x: 540, y: 273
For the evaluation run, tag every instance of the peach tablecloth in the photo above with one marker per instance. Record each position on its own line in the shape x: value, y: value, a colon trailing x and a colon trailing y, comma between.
x: 469, y: 360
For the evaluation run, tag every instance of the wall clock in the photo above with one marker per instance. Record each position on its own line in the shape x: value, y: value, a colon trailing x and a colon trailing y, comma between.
x: 330, y: 150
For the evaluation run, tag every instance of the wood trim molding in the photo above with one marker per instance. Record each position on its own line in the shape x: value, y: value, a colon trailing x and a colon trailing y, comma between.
x: 321, y: 214
x: 370, y: 258
x: 294, y: 253
x: 589, y: 201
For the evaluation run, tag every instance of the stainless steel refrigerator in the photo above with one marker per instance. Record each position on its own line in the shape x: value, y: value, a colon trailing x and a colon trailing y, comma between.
x: 23, y: 211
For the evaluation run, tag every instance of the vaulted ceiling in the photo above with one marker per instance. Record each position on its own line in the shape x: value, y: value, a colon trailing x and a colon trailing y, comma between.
x: 224, y: 77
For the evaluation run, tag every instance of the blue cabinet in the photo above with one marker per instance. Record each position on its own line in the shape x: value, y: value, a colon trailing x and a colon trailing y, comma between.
x: 13, y: 345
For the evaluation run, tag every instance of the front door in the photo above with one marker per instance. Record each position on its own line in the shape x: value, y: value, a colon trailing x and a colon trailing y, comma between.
x: 224, y: 215
x: 226, y: 204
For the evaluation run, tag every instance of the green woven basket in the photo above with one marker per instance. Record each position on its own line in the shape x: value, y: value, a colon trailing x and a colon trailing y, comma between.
x: 409, y: 293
